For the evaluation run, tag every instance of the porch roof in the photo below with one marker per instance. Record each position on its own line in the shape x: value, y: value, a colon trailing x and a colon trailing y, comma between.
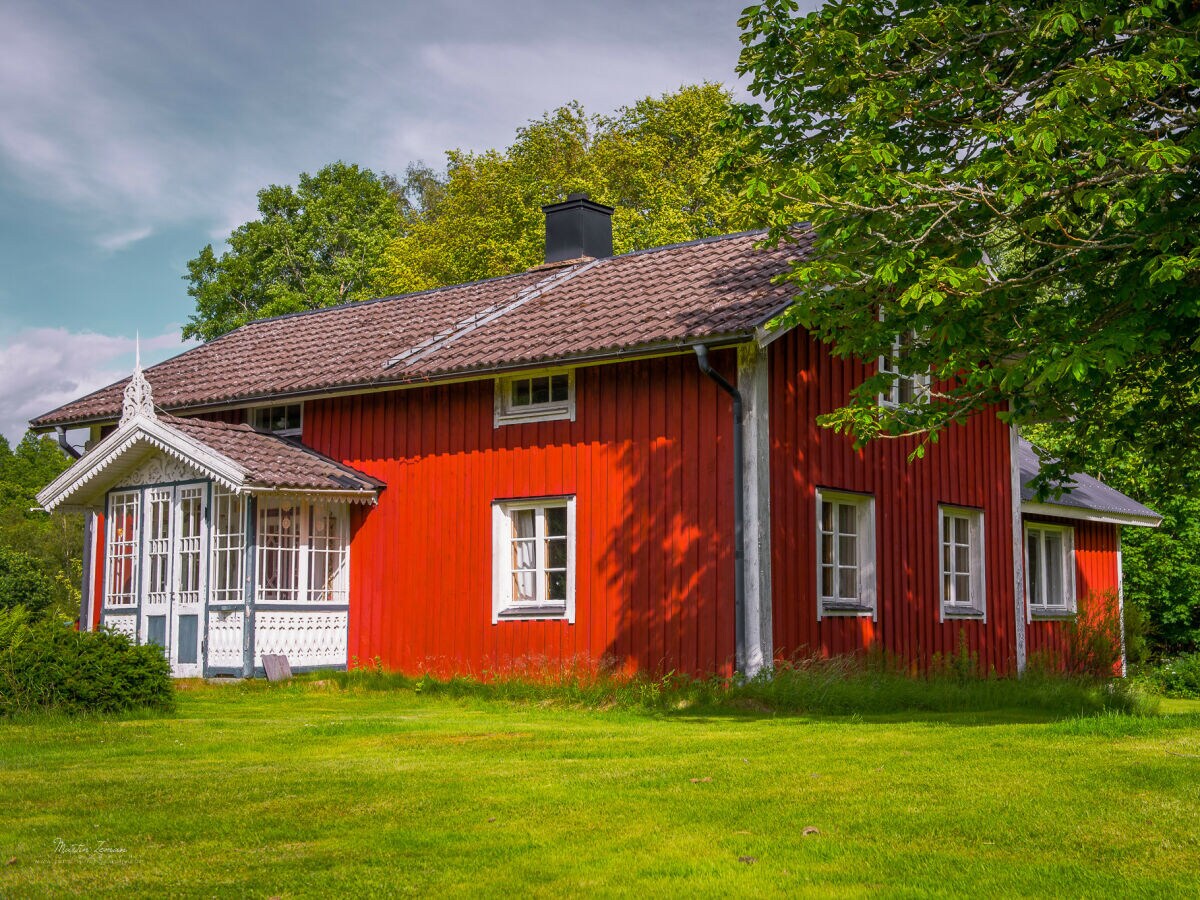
x: 1085, y: 498
x: 236, y: 456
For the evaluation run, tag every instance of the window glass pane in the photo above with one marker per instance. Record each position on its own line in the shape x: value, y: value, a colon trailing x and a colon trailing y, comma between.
x: 847, y: 518
x: 826, y: 581
x: 948, y: 587
x: 962, y: 559
x: 1054, y: 568
x: 826, y: 516
x: 847, y: 554
x: 558, y: 388
x: 556, y: 587
x: 523, y: 587
x: 541, y: 389
x: 556, y: 521
x: 827, y: 549
x: 556, y: 554
x: 947, y: 529
x: 523, y: 554
x: 520, y: 392
x: 905, y: 392
x: 847, y: 583
x: 963, y: 587
x: 524, y: 523
x: 962, y: 530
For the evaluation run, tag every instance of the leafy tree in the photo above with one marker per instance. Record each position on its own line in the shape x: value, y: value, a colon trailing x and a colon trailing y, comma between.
x: 1016, y: 183
x: 41, y: 553
x: 22, y: 582
x: 654, y: 161
x: 315, y: 245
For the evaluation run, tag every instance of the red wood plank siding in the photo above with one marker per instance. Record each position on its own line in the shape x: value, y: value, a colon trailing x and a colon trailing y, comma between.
x: 968, y: 467
x: 1096, y: 586
x: 649, y: 461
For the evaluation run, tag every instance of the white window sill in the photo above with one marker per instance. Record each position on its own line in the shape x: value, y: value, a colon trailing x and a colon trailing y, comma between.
x: 962, y: 612
x: 829, y: 608
x: 538, y: 414
x: 1051, y: 612
x: 533, y: 611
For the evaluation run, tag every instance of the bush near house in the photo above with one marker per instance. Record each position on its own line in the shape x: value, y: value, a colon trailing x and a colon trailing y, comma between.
x: 1177, y: 678
x: 46, y: 665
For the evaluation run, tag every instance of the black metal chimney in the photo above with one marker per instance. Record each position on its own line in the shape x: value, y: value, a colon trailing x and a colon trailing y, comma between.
x: 577, y: 227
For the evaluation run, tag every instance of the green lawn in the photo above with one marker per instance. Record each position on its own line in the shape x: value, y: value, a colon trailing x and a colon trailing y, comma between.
x: 298, y: 791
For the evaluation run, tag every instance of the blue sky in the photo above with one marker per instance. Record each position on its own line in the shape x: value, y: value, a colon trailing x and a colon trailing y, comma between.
x: 133, y: 133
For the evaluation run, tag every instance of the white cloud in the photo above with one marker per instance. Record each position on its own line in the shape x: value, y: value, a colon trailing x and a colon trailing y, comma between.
x: 43, y: 368
x: 122, y: 239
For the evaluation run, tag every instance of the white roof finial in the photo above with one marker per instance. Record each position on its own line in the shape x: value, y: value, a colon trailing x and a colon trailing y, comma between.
x: 139, y: 398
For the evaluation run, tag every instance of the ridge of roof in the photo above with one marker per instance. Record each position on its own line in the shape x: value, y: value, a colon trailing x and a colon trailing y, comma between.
x: 712, y: 239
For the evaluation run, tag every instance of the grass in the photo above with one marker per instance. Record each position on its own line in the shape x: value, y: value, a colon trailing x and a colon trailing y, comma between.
x: 310, y: 789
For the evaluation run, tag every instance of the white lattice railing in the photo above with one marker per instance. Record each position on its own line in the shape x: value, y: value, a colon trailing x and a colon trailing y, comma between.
x: 225, y: 631
x: 305, y: 638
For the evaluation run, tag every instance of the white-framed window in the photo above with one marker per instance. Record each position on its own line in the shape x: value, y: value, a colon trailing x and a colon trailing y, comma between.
x: 189, y: 585
x: 303, y: 552
x: 845, y: 553
x: 961, y: 564
x: 121, y: 549
x: 1050, y: 569
x: 535, y: 397
x: 533, y: 559
x: 286, y: 420
x: 904, y: 388
x: 228, y: 546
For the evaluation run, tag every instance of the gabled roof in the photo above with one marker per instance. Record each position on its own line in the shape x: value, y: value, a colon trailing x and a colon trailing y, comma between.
x: 1086, y: 497
x: 639, y: 302
x: 235, y: 456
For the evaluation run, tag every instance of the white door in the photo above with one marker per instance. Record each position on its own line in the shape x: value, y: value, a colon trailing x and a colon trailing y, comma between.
x: 174, y: 571
x: 187, y: 601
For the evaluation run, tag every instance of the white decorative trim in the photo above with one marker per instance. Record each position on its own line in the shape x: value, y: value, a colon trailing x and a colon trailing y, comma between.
x: 1030, y: 508
x: 138, y: 398
x: 159, y: 470
x: 753, y: 385
x: 1121, y: 601
x: 305, y: 638
x: 1018, y: 549
x: 225, y: 648
x: 142, y: 432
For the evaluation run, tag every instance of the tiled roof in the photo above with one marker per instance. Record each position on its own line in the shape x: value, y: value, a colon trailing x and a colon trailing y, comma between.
x: 666, y: 297
x: 1085, y: 492
x: 271, y: 461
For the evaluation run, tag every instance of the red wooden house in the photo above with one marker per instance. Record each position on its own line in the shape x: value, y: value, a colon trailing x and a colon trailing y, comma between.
x: 604, y: 460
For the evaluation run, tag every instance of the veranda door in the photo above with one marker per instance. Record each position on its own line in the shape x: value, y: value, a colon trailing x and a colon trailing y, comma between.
x: 173, y: 586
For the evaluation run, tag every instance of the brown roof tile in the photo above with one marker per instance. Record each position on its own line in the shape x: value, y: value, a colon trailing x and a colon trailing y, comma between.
x: 272, y: 461
x: 664, y: 297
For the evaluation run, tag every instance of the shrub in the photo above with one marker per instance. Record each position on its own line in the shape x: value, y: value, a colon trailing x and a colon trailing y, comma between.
x: 1092, y: 639
x: 47, y: 665
x: 1179, y: 677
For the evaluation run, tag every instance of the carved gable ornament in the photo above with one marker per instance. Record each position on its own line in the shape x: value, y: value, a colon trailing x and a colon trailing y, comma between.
x: 139, y: 398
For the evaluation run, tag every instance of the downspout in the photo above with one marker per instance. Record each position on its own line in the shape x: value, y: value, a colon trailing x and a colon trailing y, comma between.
x: 739, y: 514
x: 65, y: 444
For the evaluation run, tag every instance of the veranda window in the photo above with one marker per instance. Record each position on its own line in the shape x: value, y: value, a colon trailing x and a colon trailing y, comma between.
x: 121, y: 563
x: 302, y: 552
x: 228, y: 546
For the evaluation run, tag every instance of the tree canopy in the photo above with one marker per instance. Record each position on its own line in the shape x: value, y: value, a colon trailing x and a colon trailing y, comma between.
x: 317, y: 244
x: 1014, y: 183
x: 40, y: 565
x: 655, y: 161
